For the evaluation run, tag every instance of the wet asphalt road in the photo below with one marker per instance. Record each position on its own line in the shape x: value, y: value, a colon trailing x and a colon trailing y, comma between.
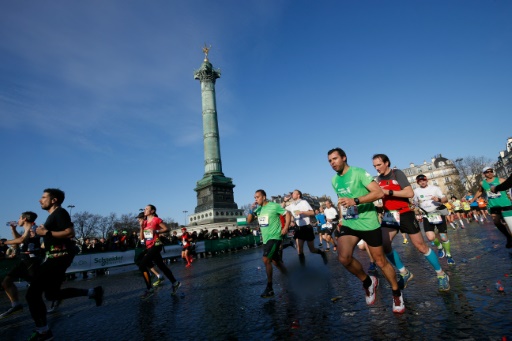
x: 220, y: 300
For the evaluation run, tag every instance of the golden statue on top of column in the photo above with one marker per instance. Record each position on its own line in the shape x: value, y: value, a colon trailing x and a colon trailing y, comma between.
x: 205, y: 51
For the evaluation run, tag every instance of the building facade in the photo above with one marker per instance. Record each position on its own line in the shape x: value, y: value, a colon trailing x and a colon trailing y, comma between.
x: 440, y: 172
x: 503, y: 167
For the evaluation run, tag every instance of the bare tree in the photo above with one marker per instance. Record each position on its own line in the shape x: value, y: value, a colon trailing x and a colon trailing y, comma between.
x: 82, y: 223
x: 470, y: 170
x: 107, y: 224
x: 127, y: 222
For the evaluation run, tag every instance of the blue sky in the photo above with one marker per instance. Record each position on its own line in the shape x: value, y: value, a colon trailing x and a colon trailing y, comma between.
x: 98, y: 97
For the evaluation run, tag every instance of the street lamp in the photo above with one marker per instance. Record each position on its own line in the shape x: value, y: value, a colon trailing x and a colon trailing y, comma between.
x: 70, y: 208
x: 185, y: 212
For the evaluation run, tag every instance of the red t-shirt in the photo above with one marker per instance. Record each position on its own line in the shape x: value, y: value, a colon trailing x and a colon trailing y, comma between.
x: 395, y: 181
x: 149, y: 229
x: 185, y: 240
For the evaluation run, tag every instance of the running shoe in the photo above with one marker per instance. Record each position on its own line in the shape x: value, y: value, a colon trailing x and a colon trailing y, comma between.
x: 147, y: 294
x: 158, y: 282
x: 175, y: 286
x: 269, y: 292
x: 450, y: 260
x: 372, y: 267
x: 404, y: 279
x: 320, y: 245
x: 462, y: 227
x: 36, y: 336
x: 371, y: 291
x: 54, y: 306
x: 444, y: 282
x: 324, y: 256
x: 327, y: 249
x: 188, y: 265
x: 12, y: 310
x: 98, y: 295
x: 398, y: 304
x: 441, y: 253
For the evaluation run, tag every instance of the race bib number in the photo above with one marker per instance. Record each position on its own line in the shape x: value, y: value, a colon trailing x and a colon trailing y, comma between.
x: 492, y: 195
x: 350, y: 212
x: 434, y: 218
x: 391, y: 218
x: 148, y: 234
x: 263, y: 221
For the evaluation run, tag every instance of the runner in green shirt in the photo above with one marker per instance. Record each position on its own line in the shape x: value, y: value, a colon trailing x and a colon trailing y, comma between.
x: 356, y: 191
x: 269, y: 218
x: 497, y: 202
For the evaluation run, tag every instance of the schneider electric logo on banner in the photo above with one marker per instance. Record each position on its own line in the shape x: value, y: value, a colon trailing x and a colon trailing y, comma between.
x: 109, y: 261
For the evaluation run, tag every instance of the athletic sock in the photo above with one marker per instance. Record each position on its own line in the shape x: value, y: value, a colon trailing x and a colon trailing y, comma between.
x: 446, y: 246
x: 394, y: 258
x: 437, y: 243
x: 367, y: 282
x: 432, y: 259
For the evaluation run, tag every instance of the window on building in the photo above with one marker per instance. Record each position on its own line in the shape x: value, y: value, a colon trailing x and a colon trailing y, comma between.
x: 441, y: 163
x: 434, y: 182
x: 447, y: 180
x: 429, y: 167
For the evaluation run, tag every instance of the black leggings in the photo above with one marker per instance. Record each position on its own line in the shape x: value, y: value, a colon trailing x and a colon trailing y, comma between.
x: 151, y: 257
x: 48, y: 279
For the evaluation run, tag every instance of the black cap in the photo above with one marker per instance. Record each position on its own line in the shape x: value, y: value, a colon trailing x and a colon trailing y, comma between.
x: 421, y: 177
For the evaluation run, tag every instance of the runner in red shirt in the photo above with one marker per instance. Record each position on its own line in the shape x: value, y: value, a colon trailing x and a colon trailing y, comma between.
x: 185, y: 241
x: 149, y: 231
x: 399, y: 217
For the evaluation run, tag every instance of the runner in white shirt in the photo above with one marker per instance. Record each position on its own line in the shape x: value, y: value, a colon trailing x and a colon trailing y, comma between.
x: 331, y: 215
x: 301, y: 211
x: 430, y: 199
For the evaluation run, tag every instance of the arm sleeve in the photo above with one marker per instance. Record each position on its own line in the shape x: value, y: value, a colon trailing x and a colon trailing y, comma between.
x: 505, y: 185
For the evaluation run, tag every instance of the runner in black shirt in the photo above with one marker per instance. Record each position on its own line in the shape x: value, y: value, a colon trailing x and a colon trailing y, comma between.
x: 57, y: 232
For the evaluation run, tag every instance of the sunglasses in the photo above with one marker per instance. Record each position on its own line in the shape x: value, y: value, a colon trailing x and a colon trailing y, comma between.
x: 489, y: 171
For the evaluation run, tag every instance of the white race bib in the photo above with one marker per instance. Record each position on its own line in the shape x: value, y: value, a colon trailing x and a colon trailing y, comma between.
x: 263, y: 221
x: 350, y: 212
x: 492, y: 195
x: 434, y: 218
x: 148, y: 234
x: 391, y: 218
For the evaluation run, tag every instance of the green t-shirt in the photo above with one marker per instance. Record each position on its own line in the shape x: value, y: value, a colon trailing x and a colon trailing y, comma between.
x: 499, y: 199
x: 353, y: 184
x: 269, y: 220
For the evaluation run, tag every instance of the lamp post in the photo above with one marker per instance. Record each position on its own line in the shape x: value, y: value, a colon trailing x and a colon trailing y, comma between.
x: 185, y: 212
x: 70, y: 208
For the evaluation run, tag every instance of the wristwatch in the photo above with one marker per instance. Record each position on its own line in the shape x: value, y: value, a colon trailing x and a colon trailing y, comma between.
x: 356, y: 200
x: 391, y: 192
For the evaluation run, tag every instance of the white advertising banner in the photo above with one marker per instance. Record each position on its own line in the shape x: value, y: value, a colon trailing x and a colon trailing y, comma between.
x: 102, y: 260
